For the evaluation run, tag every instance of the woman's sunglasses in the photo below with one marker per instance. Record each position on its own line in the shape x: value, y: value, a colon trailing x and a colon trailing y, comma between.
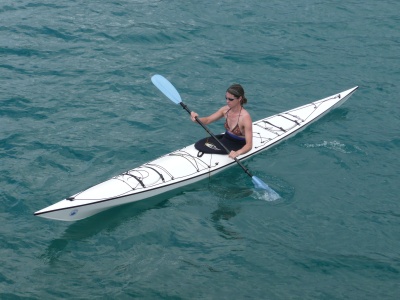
x: 230, y: 99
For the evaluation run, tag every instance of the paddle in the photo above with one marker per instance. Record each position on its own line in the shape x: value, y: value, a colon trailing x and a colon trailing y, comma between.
x: 170, y: 91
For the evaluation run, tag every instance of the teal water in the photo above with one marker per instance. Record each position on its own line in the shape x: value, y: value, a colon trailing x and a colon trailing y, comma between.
x: 78, y: 106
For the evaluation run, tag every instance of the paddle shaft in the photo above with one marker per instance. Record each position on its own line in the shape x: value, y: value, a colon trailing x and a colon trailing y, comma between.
x: 210, y: 133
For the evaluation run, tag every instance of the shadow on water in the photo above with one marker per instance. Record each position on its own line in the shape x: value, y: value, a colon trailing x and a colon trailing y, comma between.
x: 224, y: 186
x: 233, y: 189
x: 220, y: 219
x: 108, y: 221
x: 235, y: 185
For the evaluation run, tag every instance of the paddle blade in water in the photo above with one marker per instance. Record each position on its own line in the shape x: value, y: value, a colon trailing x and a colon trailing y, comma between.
x: 166, y: 88
x: 259, y: 184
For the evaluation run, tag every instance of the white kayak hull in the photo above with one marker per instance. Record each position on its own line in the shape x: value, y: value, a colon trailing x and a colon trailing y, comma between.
x: 184, y: 166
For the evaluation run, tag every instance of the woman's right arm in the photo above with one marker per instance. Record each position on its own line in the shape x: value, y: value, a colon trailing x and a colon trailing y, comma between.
x: 211, y: 118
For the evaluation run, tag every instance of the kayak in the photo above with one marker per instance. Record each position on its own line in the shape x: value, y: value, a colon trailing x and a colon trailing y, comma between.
x: 186, y: 166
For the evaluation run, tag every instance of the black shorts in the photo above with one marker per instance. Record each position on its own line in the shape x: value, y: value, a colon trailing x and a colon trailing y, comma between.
x: 210, y: 145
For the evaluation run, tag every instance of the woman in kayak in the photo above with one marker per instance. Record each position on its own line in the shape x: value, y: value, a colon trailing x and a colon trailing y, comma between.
x: 238, y: 137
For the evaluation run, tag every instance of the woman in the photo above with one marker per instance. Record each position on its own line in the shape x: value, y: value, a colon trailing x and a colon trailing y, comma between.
x: 238, y: 137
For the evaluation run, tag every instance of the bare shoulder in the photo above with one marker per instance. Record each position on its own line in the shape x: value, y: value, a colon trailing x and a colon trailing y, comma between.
x: 224, y: 109
x: 246, y: 116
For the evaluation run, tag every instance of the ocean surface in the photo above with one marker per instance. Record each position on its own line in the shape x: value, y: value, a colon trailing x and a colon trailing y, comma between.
x: 78, y: 107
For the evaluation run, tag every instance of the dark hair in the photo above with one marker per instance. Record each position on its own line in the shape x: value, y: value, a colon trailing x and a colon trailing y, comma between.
x: 237, y: 91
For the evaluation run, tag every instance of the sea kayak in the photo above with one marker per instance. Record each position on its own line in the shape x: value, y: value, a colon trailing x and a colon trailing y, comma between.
x: 186, y: 166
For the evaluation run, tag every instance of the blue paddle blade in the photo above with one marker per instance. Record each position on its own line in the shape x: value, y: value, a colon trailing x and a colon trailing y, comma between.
x: 166, y: 88
x: 259, y: 184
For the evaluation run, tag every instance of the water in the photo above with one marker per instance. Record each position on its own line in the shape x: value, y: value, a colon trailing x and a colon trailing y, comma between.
x: 78, y: 106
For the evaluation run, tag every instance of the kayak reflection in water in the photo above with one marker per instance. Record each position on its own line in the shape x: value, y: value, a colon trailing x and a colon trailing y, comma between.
x: 238, y: 137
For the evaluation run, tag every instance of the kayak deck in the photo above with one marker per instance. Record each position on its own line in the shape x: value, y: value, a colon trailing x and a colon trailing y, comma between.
x: 185, y: 166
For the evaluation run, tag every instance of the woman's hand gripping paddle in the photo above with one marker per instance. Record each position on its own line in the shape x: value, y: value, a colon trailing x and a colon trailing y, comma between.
x: 170, y: 91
